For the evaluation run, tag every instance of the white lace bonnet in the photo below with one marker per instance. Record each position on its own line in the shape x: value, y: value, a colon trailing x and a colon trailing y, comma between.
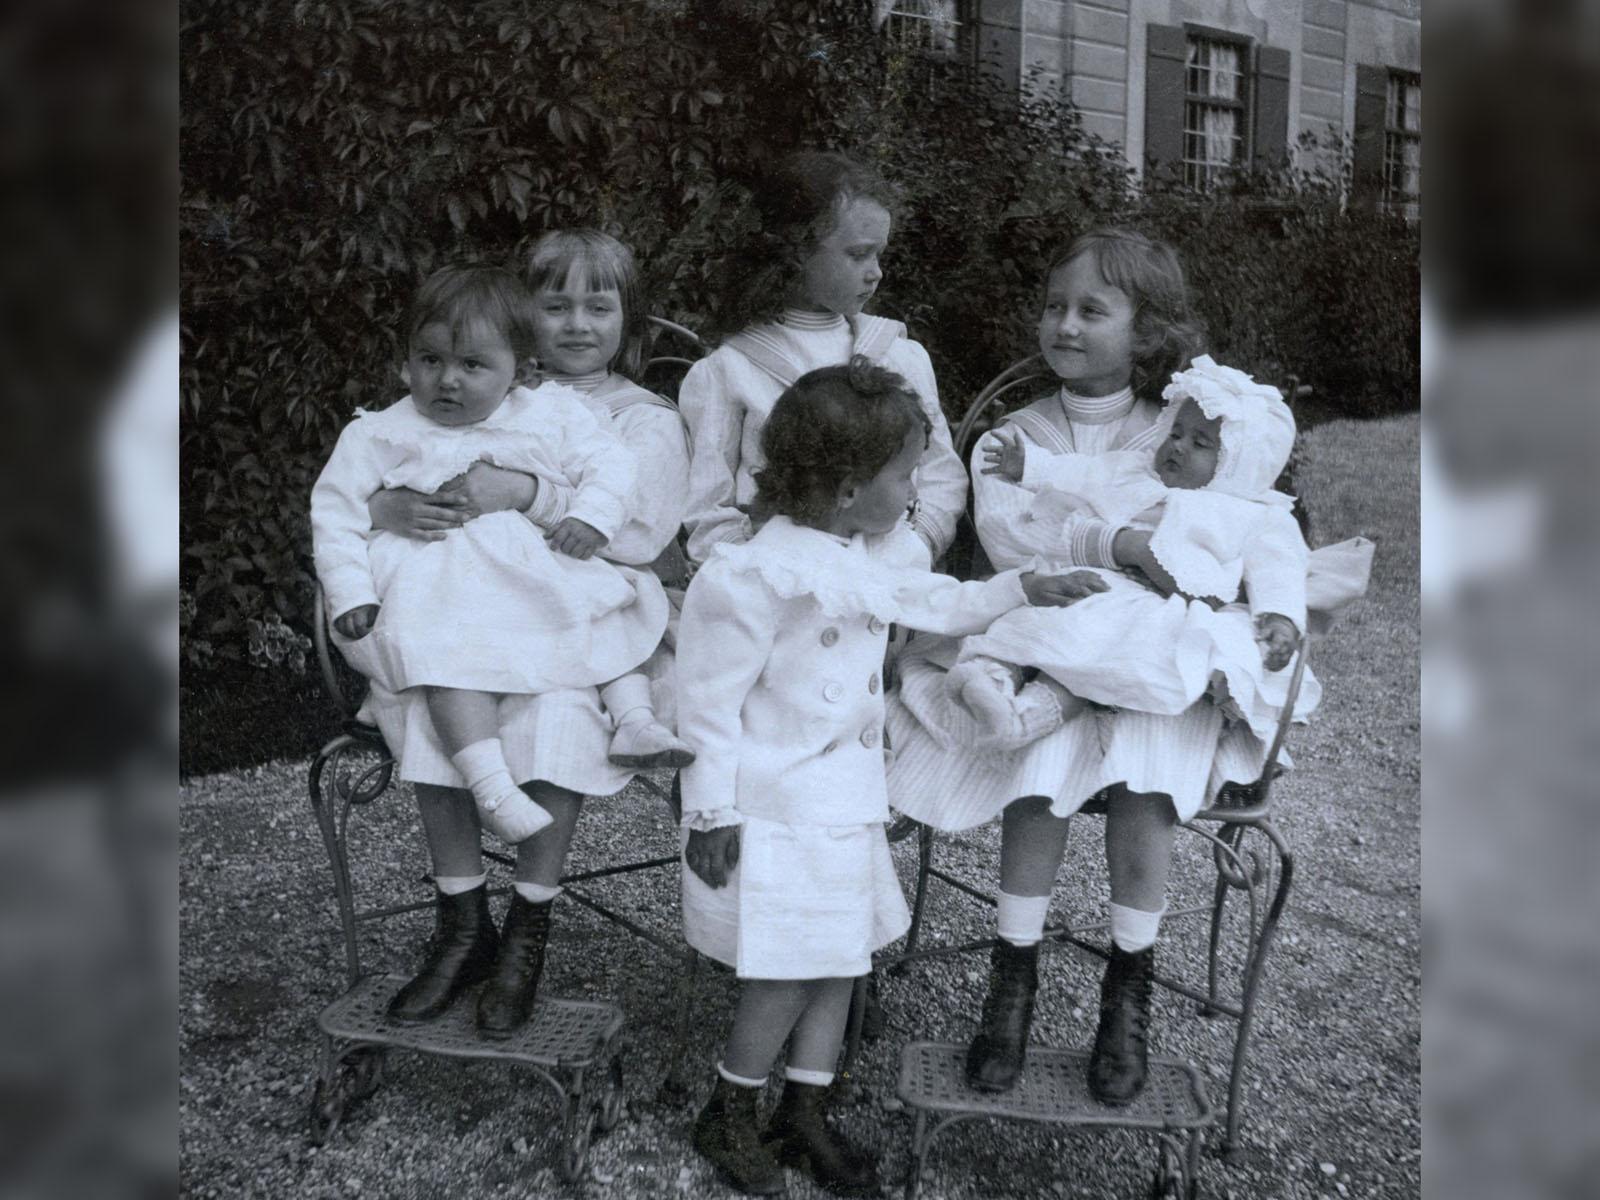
x: 1257, y: 427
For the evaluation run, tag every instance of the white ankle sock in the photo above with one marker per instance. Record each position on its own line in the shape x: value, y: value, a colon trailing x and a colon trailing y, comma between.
x: 454, y: 885
x: 1021, y: 919
x: 483, y: 766
x: 1133, y: 929
x: 737, y: 1080
x: 814, y: 1078
x: 536, y: 893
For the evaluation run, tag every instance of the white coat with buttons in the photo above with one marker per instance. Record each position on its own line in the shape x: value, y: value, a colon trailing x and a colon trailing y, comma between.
x: 780, y: 660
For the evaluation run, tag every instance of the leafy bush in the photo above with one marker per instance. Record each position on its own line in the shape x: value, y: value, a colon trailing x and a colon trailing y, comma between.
x: 333, y: 157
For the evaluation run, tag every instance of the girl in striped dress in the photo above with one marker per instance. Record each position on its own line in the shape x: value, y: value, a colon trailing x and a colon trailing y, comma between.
x: 793, y: 303
x: 1114, y: 323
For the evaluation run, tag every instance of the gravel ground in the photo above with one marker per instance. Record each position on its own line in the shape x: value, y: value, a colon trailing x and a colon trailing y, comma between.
x: 1333, y: 1090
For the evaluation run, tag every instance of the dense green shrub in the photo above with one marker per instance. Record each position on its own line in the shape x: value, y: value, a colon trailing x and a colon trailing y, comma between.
x: 335, y: 153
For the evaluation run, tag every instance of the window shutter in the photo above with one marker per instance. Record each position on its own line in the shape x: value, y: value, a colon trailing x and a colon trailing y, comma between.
x: 1165, y: 57
x: 1372, y: 100
x: 1272, y: 107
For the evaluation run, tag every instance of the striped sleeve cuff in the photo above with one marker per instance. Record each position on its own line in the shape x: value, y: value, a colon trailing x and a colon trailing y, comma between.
x: 550, y: 504
x: 1093, y: 543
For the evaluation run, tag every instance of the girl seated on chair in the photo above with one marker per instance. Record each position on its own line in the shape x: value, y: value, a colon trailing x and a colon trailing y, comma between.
x: 1114, y: 322
x: 789, y: 879
x: 1206, y: 495
x: 468, y: 617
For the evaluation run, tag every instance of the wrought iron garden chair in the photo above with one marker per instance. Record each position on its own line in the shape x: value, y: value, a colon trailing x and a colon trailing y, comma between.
x: 571, y: 1045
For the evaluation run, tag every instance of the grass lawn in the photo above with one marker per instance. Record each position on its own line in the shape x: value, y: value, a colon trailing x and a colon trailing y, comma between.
x: 1334, y: 1079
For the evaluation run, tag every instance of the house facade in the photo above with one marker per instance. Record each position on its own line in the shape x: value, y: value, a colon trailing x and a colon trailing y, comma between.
x: 1193, y: 87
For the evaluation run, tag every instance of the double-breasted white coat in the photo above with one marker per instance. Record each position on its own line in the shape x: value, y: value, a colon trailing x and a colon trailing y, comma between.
x: 780, y: 693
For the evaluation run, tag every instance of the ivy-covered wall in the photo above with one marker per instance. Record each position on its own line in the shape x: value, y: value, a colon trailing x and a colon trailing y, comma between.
x: 333, y: 153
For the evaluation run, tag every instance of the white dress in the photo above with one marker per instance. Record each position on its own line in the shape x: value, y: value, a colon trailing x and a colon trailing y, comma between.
x: 781, y: 696
x: 1130, y: 647
x: 937, y: 778
x: 727, y: 396
x: 490, y: 607
x: 562, y: 737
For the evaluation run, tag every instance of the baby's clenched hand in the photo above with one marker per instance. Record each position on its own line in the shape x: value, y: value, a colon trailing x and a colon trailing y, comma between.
x: 357, y: 623
x: 576, y: 539
x: 1005, y: 455
x: 1277, y: 637
x: 1058, y: 591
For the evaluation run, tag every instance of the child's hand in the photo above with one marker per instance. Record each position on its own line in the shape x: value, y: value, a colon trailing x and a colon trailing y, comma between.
x: 576, y: 539
x: 1006, y: 458
x: 714, y: 854
x: 1131, y: 549
x: 488, y: 488
x: 424, y: 516
x: 357, y: 623
x: 1058, y: 591
x: 1277, y: 637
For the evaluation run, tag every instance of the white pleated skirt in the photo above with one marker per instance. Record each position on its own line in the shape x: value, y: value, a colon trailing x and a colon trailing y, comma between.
x: 804, y: 902
x: 938, y: 779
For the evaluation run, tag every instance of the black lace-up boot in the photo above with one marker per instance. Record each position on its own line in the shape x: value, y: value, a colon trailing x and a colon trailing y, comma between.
x: 994, y: 1060
x: 1120, y: 1061
x: 725, y: 1133
x: 506, y: 1001
x: 798, y: 1136
x: 461, y: 954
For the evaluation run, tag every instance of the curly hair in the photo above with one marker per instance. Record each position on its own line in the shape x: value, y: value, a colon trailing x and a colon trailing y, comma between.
x: 1166, y: 331
x: 457, y: 296
x: 792, y: 207
x: 604, y: 263
x: 832, y: 427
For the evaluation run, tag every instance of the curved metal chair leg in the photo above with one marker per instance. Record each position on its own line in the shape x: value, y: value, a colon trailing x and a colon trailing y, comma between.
x: 919, y: 902
x: 322, y: 806
x: 1219, y: 902
x: 1231, y: 1148
x: 673, y: 1088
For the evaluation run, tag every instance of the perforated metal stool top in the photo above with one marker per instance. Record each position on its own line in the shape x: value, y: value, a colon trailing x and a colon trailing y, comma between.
x: 1054, y: 1089
x: 560, y: 1033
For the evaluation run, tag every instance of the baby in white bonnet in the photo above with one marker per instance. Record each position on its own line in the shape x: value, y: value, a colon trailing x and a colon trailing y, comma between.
x: 1158, y: 643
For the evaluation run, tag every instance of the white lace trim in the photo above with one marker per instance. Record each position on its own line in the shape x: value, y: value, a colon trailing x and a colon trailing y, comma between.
x: 712, y: 818
x: 843, y: 578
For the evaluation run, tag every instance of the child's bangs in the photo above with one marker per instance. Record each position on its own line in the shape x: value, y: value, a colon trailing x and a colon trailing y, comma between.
x: 596, y: 267
x: 465, y: 312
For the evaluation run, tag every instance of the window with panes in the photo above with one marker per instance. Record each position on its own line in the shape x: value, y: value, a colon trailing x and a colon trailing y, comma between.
x: 1216, y: 121
x: 1402, y: 143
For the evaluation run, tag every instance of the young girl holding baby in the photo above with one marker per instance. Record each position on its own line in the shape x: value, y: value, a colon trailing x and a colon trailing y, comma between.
x: 1205, y: 495
x: 789, y: 878
x: 554, y: 742
x: 792, y: 303
x: 1114, y: 323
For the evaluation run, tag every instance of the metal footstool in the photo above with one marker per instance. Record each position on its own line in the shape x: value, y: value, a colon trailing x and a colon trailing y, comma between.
x: 1054, y: 1090
x: 573, y: 1045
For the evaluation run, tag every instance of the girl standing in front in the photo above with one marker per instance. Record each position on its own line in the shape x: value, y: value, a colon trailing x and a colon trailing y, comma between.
x: 1114, y: 323
x: 789, y: 878
x: 792, y: 303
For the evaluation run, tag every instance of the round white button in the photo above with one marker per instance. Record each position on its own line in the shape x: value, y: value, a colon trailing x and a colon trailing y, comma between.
x: 869, y: 738
x: 831, y: 692
x: 830, y: 636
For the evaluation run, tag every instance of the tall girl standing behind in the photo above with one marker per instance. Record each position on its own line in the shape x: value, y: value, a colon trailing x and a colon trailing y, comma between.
x: 793, y: 302
x: 781, y: 697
